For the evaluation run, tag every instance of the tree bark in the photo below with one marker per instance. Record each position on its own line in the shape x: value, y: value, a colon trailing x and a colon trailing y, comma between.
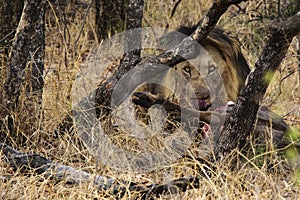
x: 25, y: 65
x: 239, y: 125
x: 10, y: 13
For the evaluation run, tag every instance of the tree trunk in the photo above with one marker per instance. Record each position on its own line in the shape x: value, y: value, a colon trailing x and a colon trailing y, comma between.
x: 239, y: 125
x: 24, y: 83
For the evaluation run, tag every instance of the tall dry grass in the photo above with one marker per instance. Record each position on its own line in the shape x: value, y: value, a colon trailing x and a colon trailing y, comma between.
x: 262, y: 174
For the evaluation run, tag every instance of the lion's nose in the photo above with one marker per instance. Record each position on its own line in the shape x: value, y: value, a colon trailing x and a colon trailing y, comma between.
x: 202, y: 93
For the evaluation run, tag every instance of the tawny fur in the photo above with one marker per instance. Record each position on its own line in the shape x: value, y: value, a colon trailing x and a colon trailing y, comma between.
x: 223, y: 56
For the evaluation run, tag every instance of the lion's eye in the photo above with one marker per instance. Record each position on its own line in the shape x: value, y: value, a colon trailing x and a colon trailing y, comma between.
x: 187, y: 69
x: 211, y: 69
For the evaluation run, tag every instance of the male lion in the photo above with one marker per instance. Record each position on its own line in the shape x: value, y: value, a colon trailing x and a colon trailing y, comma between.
x: 211, y: 79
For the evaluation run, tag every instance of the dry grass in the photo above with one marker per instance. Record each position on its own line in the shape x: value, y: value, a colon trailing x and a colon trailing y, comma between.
x: 264, y: 175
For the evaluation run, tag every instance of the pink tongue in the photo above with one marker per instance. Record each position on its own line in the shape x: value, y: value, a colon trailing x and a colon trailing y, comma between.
x: 202, y: 105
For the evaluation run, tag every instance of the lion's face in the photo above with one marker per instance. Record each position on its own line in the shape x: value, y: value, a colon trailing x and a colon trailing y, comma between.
x: 203, y: 80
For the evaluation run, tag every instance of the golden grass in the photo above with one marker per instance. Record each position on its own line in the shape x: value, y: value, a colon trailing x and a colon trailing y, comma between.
x: 265, y: 175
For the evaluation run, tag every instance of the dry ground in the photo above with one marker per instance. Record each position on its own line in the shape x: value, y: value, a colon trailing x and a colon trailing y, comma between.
x: 266, y: 175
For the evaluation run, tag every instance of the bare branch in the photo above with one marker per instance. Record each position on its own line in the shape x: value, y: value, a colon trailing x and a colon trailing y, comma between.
x: 175, y: 7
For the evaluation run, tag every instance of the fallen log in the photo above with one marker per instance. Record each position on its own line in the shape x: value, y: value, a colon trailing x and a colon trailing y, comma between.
x: 24, y: 163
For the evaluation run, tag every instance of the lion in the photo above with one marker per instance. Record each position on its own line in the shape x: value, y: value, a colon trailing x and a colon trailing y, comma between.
x: 194, y: 90
x: 208, y: 81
